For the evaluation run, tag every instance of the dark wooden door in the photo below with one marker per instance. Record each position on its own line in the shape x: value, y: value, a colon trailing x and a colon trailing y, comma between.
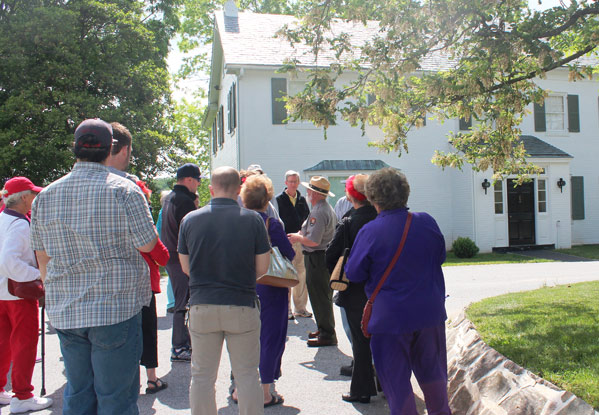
x: 521, y: 213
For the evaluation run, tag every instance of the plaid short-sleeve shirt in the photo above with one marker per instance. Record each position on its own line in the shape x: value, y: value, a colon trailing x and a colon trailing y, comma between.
x: 90, y: 223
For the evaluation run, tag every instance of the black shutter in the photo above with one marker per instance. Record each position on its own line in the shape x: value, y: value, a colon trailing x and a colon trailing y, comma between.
x: 234, y: 102
x: 465, y: 125
x: 229, y: 111
x: 540, y: 117
x: 577, y: 193
x: 278, y: 91
x: 221, y: 126
x: 573, y: 114
x: 214, y: 136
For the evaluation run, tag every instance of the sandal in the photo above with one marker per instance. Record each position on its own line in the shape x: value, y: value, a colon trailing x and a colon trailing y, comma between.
x: 156, y: 386
x: 275, y: 400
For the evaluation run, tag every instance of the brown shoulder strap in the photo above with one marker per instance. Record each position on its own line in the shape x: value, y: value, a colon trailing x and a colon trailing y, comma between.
x: 395, y: 258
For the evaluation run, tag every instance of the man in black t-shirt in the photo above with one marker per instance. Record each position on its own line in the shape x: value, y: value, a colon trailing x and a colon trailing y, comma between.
x: 224, y: 249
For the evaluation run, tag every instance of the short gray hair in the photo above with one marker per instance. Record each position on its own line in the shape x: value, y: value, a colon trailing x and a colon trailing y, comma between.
x: 388, y: 189
x: 291, y: 173
x: 15, y: 198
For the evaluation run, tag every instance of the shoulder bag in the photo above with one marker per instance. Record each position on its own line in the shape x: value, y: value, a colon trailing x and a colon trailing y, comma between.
x: 368, y: 307
x: 338, y: 279
x: 29, y: 290
x: 281, y: 272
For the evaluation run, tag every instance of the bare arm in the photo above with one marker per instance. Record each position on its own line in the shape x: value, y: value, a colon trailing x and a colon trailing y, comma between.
x: 298, y: 237
x: 149, y: 246
x: 42, y: 261
x: 262, y: 263
x: 184, y: 260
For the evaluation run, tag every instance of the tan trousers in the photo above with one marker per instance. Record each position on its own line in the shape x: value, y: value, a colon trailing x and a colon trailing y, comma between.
x: 300, y: 291
x: 209, y: 325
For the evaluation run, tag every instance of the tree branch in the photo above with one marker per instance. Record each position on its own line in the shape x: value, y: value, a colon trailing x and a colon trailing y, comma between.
x: 577, y: 15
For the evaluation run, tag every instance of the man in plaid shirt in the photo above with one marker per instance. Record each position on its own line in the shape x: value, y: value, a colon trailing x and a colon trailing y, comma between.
x: 87, y: 230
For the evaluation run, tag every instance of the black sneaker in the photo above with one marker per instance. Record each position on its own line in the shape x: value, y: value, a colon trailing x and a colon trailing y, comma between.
x: 181, y: 355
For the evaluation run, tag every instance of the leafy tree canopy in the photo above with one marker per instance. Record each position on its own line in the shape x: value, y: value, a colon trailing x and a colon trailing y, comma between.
x: 197, y: 26
x: 497, y: 49
x: 67, y: 60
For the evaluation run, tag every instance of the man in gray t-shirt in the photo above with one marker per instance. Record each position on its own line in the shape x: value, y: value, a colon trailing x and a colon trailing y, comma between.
x: 224, y: 248
x: 316, y: 233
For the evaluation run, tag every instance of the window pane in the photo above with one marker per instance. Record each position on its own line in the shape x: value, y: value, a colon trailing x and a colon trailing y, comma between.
x: 554, y: 104
x: 498, y: 197
x: 554, y: 113
x: 555, y: 121
x: 498, y: 192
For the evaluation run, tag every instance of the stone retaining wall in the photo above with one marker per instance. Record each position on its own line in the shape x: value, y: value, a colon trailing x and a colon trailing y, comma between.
x: 484, y: 382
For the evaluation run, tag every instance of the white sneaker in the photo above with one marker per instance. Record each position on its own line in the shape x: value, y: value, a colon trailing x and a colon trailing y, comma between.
x: 18, y: 406
x: 5, y: 397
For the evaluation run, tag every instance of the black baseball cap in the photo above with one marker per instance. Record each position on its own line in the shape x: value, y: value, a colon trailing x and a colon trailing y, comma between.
x: 189, y: 170
x: 93, y: 133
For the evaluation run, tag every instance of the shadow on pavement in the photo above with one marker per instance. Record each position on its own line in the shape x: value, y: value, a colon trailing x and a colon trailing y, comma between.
x: 176, y: 396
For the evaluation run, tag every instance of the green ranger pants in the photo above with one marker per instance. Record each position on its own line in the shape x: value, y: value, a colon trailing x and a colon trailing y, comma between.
x: 321, y: 295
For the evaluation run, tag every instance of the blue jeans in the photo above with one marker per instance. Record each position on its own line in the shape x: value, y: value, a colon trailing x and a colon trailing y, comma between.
x: 102, y: 368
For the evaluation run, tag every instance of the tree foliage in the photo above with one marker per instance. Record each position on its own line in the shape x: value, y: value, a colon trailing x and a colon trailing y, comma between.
x: 497, y: 48
x: 197, y: 26
x: 64, y: 61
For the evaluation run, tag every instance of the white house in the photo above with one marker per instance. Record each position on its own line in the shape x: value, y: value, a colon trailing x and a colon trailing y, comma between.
x: 559, y: 207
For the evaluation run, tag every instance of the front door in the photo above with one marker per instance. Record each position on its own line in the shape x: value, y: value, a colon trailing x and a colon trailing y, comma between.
x: 521, y: 213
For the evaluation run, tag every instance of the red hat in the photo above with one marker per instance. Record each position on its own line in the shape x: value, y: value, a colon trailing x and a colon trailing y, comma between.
x: 20, y: 184
x: 355, y: 186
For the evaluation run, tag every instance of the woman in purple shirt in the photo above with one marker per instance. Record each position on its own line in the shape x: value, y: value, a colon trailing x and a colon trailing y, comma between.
x: 408, y: 315
x: 256, y: 192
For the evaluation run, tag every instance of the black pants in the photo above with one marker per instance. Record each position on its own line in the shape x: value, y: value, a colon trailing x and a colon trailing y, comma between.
x: 362, y: 380
x: 180, y: 284
x: 149, y: 330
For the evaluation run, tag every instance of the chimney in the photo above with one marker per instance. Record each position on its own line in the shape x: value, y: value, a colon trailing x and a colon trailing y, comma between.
x: 231, y: 17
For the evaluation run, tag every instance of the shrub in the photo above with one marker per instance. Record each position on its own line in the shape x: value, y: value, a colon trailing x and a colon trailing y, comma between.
x: 464, y: 247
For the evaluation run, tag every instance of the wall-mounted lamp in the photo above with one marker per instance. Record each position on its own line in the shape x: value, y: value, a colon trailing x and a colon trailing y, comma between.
x: 486, y: 184
x: 561, y: 183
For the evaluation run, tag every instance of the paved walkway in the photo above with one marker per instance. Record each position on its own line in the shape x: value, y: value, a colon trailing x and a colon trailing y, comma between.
x: 311, y: 383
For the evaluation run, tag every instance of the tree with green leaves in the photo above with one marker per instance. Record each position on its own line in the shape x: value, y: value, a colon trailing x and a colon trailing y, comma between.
x: 496, y: 50
x: 197, y: 24
x: 64, y: 61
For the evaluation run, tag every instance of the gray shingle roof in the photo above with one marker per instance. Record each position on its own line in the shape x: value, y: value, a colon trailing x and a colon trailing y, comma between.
x: 538, y: 148
x: 350, y: 165
x: 248, y: 39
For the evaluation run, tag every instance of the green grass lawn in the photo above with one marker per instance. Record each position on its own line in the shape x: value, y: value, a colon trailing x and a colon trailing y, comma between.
x: 553, y: 332
x: 491, y: 258
x: 585, y: 251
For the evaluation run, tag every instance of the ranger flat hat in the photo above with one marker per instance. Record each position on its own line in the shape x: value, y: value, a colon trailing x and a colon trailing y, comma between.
x: 320, y: 185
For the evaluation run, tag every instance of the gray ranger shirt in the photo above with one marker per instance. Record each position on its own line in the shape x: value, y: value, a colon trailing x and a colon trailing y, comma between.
x: 320, y: 226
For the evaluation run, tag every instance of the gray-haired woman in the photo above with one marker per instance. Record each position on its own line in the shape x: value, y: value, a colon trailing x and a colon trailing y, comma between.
x: 408, y: 315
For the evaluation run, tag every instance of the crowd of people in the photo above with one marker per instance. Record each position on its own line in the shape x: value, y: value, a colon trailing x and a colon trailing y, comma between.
x: 91, y: 239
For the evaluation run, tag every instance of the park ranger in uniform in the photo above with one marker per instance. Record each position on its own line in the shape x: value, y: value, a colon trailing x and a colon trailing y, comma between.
x: 316, y: 233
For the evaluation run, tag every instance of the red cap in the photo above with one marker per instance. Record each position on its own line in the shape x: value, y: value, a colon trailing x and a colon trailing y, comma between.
x: 20, y: 184
x: 353, y: 192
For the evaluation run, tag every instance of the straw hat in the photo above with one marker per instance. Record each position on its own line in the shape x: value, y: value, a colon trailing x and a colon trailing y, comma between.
x: 320, y: 185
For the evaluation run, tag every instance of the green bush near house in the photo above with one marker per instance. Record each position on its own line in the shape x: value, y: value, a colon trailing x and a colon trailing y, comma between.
x: 464, y: 247
x: 553, y: 332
